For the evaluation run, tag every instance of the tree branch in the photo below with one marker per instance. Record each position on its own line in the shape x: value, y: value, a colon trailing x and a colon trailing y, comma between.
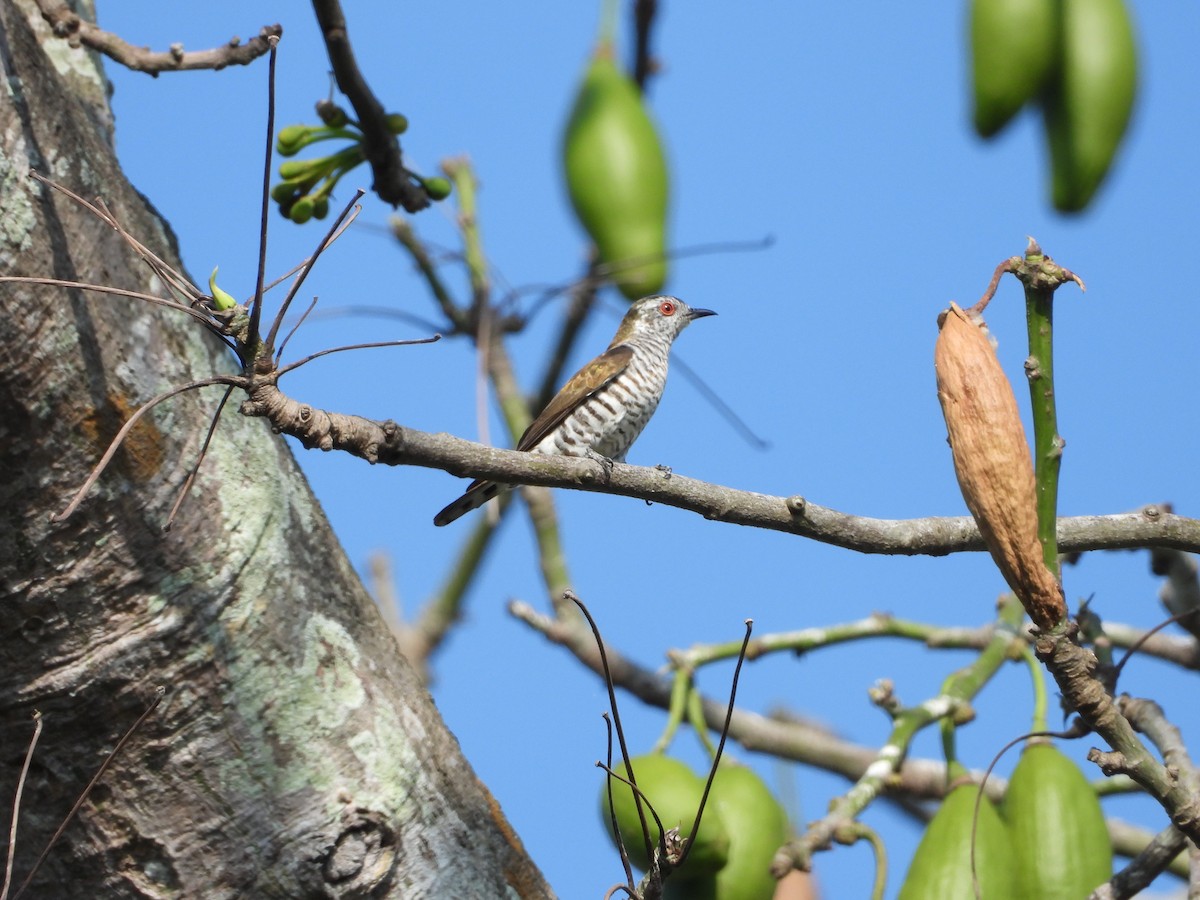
x: 380, y: 146
x: 67, y: 24
x: 392, y: 444
x: 778, y: 735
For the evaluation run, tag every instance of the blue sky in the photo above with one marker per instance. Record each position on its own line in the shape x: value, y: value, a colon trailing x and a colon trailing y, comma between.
x: 844, y: 136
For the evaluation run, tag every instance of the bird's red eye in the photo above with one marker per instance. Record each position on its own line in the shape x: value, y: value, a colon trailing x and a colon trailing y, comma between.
x: 667, y: 308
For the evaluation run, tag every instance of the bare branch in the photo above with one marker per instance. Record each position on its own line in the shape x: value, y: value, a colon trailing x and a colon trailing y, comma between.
x: 392, y: 444
x: 371, y: 346
x: 1144, y: 867
x: 380, y: 145
x: 200, y: 316
x: 786, y: 738
x: 191, y: 475
x: 348, y: 215
x: 70, y: 26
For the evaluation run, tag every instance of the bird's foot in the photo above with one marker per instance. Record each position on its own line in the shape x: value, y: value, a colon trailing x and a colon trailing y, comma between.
x: 605, y: 463
x: 666, y: 471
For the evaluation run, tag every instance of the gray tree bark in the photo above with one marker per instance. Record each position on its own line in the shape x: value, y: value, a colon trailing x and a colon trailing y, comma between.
x: 294, y: 753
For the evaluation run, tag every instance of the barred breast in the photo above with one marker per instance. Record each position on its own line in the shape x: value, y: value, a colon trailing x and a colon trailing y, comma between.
x: 608, y: 422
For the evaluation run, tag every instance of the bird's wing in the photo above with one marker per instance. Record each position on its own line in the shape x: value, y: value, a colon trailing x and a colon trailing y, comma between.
x: 583, y: 384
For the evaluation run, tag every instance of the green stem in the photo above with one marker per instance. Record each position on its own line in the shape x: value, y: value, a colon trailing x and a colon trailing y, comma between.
x: 513, y: 405
x: 609, y: 16
x: 403, y: 231
x: 1047, y: 444
x: 1039, y: 690
x: 695, y: 709
x: 459, y: 172
x: 681, y: 686
x: 808, y: 639
x: 957, y: 691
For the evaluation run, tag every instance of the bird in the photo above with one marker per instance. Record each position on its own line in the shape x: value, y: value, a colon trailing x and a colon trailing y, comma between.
x: 604, y: 406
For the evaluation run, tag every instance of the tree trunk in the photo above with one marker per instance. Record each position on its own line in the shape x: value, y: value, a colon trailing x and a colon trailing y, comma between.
x: 294, y: 754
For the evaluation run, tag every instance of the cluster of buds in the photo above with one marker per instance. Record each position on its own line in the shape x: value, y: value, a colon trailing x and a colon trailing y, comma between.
x: 307, y: 184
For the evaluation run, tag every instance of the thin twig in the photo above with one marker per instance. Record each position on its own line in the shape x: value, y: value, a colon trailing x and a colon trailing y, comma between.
x: 612, y: 807
x: 283, y: 344
x: 381, y: 312
x: 12, y: 830
x: 612, y: 704
x: 300, y: 362
x: 990, y: 292
x: 159, y: 692
x: 330, y: 236
x: 1143, y: 638
x: 172, y: 280
x: 233, y: 380
x: 600, y: 271
x: 69, y: 25
x: 191, y: 477
x: 403, y: 231
x: 264, y: 214
x: 196, y: 314
x: 726, y: 411
x: 304, y: 262
x: 583, y: 299
x: 170, y: 277
x: 712, y: 772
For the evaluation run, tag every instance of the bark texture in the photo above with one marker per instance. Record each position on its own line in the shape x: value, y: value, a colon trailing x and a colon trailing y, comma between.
x: 294, y: 755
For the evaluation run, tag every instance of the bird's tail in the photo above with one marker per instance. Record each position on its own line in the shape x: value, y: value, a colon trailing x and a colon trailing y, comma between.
x: 476, y: 495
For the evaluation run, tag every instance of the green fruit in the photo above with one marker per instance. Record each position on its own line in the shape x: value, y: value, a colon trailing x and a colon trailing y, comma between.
x: 1087, y: 107
x: 674, y: 791
x: 1058, y: 833
x: 758, y: 826
x: 616, y: 176
x: 941, y: 867
x: 1013, y: 44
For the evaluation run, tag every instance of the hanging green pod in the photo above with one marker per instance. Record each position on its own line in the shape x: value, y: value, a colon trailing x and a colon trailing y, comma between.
x: 941, y: 867
x: 674, y: 791
x: 616, y: 174
x: 1059, y: 837
x: 1088, y: 106
x: 1013, y: 45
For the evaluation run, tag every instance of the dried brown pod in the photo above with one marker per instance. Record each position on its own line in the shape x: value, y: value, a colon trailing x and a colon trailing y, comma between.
x: 992, y: 461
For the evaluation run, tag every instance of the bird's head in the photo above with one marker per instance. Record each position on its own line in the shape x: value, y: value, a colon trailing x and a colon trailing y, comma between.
x: 658, y: 315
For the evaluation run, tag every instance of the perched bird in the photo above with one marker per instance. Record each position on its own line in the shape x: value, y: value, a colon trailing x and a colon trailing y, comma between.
x: 607, y: 403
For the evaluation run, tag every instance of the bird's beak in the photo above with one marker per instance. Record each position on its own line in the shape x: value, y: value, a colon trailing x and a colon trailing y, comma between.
x: 700, y: 313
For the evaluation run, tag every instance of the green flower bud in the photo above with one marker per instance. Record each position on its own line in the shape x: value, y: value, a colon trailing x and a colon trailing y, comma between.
x: 436, y: 188
x: 302, y: 210
x: 291, y: 139
x: 221, y: 300
x: 397, y: 123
